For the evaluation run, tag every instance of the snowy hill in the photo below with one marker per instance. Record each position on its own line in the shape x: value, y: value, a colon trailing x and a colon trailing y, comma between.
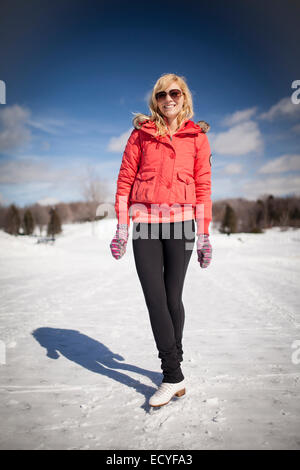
x: 81, y: 363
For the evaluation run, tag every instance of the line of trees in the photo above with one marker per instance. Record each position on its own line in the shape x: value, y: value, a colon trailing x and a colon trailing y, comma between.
x: 242, y: 215
x: 16, y: 221
x: 24, y: 221
x: 229, y: 215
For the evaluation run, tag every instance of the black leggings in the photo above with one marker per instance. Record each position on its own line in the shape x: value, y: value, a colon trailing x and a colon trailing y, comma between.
x: 162, y: 252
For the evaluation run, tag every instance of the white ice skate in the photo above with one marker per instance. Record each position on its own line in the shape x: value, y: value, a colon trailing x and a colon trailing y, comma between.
x: 165, y: 392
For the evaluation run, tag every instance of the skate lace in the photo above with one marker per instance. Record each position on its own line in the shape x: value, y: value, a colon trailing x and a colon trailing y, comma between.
x: 165, y: 387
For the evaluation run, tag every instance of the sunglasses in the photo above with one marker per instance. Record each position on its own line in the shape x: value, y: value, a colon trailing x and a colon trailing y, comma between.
x: 174, y: 94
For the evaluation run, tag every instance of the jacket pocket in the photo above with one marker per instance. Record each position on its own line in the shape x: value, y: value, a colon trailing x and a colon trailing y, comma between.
x: 143, y: 186
x: 186, y: 188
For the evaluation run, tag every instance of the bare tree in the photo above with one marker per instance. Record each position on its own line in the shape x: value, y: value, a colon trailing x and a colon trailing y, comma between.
x: 79, y: 211
x: 94, y: 190
x: 64, y: 212
x: 40, y: 215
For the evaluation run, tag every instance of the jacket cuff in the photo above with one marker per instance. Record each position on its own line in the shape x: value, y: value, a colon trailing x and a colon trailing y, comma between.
x: 203, y: 226
x: 123, y: 218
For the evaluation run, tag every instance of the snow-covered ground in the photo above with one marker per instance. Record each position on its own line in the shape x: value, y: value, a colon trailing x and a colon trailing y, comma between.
x: 79, y: 361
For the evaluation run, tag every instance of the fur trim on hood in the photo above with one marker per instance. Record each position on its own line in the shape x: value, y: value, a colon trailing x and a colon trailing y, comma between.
x: 141, y: 118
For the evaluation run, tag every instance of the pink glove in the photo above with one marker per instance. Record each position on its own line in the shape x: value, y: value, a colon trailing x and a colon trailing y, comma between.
x: 119, y: 242
x: 204, y: 250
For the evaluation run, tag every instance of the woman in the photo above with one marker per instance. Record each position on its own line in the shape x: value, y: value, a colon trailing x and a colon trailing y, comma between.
x: 165, y: 177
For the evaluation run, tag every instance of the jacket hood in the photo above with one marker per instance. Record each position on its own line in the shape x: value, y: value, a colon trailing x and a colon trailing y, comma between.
x: 188, y: 126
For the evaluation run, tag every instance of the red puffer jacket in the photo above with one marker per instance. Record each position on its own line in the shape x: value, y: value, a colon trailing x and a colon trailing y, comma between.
x: 166, y: 172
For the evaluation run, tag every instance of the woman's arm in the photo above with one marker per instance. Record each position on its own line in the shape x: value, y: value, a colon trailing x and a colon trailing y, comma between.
x: 127, y: 173
x: 202, y: 176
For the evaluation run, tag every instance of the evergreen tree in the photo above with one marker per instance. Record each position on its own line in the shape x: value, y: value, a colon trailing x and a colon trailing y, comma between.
x: 229, y: 223
x: 259, y: 213
x: 273, y: 211
x: 54, y: 225
x: 28, y: 222
x: 295, y: 214
x: 12, y: 220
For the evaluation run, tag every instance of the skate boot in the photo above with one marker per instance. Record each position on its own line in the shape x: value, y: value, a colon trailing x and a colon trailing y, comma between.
x: 165, y: 392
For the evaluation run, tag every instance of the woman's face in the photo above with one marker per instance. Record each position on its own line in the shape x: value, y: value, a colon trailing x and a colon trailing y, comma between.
x: 168, y: 106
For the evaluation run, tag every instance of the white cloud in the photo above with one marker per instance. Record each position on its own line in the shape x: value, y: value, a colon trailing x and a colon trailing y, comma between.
x: 28, y: 171
x: 69, y: 126
x: 223, y: 187
x: 280, y: 186
x: 282, y: 164
x: 117, y: 144
x: 48, y: 125
x: 296, y: 128
x: 239, y: 116
x: 48, y: 201
x: 238, y: 140
x: 284, y: 107
x: 13, y: 131
x: 233, y: 169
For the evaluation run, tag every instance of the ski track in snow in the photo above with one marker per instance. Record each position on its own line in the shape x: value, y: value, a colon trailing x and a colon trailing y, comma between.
x: 84, y: 380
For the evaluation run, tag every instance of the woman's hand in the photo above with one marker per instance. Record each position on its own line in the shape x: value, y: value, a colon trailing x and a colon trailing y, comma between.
x: 204, y: 250
x: 119, y: 242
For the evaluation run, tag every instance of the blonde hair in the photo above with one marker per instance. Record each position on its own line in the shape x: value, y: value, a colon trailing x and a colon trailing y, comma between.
x: 186, y: 111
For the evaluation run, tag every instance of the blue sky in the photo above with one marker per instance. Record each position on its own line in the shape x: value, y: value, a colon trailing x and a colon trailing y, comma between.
x: 75, y: 71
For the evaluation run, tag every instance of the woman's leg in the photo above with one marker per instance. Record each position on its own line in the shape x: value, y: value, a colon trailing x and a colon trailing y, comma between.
x: 149, y: 261
x: 177, y: 255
